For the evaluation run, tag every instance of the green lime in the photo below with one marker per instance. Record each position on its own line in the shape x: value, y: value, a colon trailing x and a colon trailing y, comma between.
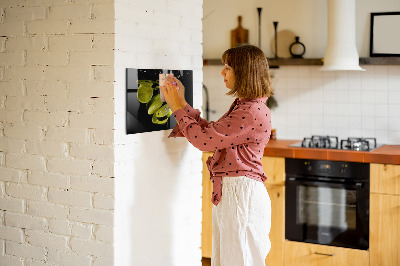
x: 163, y: 111
x: 145, y: 92
x: 145, y: 82
x: 154, y: 104
x: 160, y: 120
x: 161, y: 116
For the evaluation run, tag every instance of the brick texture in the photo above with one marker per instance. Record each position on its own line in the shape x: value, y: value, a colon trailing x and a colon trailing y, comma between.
x: 68, y: 258
x: 95, y: 216
x: 24, y: 221
x: 46, y: 209
x: 69, y: 197
x: 47, y: 240
x: 25, y: 250
x: 47, y: 80
x: 11, y: 233
x: 62, y: 98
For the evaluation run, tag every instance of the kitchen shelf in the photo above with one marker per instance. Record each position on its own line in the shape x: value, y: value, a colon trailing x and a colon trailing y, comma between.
x: 274, y: 63
x: 380, y: 61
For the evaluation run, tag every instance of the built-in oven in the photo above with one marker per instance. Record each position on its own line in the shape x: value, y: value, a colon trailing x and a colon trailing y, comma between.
x: 327, y: 202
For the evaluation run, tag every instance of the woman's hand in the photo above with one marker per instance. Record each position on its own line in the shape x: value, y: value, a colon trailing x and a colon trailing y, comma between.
x: 174, y: 93
x: 181, y: 91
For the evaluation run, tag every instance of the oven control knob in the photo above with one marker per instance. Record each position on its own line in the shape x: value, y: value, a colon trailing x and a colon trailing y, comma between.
x: 308, y: 166
x: 343, y: 168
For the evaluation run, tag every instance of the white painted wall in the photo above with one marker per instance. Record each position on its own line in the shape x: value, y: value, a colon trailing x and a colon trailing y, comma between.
x: 344, y: 103
x: 158, y: 180
x: 305, y: 18
x: 312, y: 102
x: 56, y: 132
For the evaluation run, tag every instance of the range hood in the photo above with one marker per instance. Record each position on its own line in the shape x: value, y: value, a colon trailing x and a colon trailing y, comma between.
x: 341, y: 51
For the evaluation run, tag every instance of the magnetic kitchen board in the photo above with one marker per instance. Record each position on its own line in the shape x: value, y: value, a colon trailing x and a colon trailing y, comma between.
x: 143, y: 110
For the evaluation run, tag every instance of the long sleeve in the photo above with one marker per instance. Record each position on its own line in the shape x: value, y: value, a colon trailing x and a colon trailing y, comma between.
x: 193, y: 113
x: 238, y: 140
x: 231, y: 130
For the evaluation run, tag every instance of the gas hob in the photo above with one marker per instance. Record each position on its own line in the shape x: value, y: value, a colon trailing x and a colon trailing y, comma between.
x: 332, y: 142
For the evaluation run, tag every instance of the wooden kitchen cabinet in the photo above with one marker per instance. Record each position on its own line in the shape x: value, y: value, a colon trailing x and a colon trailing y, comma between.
x: 274, y: 168
x: 385, y: 178
x: 305, y: 254
x: 384, y: 237
x: 206, y: 225
x: 277, y: 233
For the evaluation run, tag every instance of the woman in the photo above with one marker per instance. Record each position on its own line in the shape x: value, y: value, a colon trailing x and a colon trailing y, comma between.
x: 242, y: 208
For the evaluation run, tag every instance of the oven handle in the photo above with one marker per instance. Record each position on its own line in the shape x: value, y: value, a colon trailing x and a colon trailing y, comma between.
x: 357, y: 185
x: 324, y: 254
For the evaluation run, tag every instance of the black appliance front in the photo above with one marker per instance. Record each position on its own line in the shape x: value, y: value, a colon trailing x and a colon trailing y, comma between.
x: 327, y: 203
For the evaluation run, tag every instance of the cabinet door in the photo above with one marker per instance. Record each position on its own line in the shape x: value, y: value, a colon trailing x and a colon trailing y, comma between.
x: 277, y: 233
x: 385, y: 178
x: 206, y: 232
x: 304, y: 254
x: 274, y: 168
x: 384, y: 229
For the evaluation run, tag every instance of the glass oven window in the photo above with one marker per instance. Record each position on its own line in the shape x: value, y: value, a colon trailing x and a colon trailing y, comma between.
x: 326, y: 207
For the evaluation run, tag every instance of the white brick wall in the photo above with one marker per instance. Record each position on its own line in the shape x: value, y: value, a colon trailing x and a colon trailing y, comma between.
x: 56, y: 132
x: 25, y: 251
x: 68, y: 258
x: 60, y: 132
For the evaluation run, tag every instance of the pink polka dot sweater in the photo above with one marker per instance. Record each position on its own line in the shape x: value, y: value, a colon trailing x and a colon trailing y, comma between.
x: 238, y: 139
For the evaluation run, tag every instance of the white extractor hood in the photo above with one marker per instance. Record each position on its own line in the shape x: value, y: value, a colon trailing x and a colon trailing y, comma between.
x: 341, y: 51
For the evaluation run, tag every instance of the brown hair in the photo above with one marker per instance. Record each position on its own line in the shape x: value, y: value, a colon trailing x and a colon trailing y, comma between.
x: 250, y: 66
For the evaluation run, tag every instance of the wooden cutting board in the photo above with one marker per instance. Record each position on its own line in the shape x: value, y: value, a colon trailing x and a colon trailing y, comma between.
x: 239, y: 35
x: 285, y: 39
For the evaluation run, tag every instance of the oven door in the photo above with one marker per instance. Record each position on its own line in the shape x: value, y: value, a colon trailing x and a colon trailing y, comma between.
x: 327, y: 213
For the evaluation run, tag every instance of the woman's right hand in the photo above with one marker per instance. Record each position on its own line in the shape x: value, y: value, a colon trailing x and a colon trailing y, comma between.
x: 181, y: 91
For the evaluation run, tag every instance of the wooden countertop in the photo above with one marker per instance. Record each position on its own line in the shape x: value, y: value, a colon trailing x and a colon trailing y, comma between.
x: 389, y: 154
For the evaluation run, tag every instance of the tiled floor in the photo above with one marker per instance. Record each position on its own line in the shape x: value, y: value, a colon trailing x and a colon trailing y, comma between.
x: 206, y: 261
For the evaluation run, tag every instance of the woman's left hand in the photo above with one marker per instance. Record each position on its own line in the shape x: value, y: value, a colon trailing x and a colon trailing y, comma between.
x: 170, y: 90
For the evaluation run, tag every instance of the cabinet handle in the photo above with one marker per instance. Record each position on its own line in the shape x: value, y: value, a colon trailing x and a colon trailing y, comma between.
x: 324, y: 254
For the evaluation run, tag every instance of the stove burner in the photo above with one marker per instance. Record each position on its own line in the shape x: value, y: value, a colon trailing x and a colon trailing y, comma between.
x: 332, y: 142
x: 328, y: 142
x: 358, y: 144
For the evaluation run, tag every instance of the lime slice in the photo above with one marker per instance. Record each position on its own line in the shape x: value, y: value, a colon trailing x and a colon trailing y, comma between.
x: 145, y: 92
x: 161, y: 116
x: 162, y: 120
x: 163, y: 111
x: 154, y: 104
x: 166, y: 116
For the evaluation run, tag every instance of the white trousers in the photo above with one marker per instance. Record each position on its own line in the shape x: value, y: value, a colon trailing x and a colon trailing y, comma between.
x: 241, y: 223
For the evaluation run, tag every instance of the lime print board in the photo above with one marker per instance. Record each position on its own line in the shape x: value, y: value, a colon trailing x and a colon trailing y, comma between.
x: 145, y: 109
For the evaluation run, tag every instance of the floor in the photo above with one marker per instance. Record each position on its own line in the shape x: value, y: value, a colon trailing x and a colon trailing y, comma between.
x: 206, y: 261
